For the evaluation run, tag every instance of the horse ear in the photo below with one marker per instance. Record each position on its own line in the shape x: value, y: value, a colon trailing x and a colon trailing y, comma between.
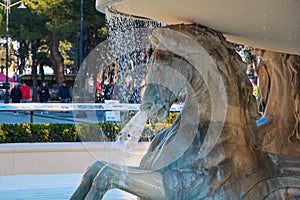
x: 150, y: 62
x: 153, y: 58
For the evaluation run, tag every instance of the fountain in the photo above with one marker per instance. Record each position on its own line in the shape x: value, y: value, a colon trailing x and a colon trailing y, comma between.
x: 212, y: 150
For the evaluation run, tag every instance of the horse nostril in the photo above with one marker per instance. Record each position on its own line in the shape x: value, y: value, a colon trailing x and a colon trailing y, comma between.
x: 164, y: 107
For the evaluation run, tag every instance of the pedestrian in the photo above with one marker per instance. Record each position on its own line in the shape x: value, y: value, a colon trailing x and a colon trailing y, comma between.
x: 99, y: 95
x: 44, y: 94
x: 108, y: 90
x: 64, y: 93
x: 16, y: 95
x: 25, y: 92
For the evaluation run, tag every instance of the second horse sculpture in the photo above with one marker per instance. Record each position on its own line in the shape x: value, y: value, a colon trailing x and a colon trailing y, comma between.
x: 211, y: 151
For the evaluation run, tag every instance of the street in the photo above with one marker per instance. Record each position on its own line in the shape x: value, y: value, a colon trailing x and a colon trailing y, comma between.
x: 64, y: 113
x: 9, y: 117
x: 69, y: 112
x: 38, y: 118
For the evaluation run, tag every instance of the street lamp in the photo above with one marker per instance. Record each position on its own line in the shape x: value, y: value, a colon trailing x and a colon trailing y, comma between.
x: 7, y: 5
x: 81, y: 114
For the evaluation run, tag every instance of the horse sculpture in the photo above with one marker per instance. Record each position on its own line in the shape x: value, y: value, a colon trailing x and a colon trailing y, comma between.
x: 211, y: 150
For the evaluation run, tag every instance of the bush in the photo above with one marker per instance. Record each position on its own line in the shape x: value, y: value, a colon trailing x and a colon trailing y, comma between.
x: 28, y: 132
x: 98, y: 132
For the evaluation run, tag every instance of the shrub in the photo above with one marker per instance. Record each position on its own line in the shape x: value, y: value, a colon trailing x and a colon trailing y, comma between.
x: 29, y: 132
x: 98, y: 131
x: 63, y: 133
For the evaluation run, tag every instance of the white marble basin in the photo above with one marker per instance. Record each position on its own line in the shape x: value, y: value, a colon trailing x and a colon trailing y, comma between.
x: 265, y: 24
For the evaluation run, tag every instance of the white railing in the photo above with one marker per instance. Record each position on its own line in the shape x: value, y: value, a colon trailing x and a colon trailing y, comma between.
x: 75, y: 107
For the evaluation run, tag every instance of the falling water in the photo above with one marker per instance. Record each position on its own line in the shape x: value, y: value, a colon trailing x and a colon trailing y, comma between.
x: 121, y: 58
x: 128, y: 33
x: 130, y: 45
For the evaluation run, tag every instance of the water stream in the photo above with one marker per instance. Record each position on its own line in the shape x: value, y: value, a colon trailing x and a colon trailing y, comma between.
x: 119, y: 61
x: 132, y: 131
x: 130, y: 45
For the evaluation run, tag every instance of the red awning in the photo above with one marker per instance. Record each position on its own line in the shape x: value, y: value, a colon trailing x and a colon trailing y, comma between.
x: 3, y: 78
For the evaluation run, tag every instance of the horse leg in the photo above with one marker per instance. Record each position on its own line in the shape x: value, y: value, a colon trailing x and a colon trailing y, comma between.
x: 87, y: 180
x: 143, y: 183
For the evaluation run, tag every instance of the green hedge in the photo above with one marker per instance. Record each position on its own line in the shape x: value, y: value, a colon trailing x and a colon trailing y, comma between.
x: 26, y: 133
x: 98, y: 131
x: 29, y: 132
x: 14, y: 133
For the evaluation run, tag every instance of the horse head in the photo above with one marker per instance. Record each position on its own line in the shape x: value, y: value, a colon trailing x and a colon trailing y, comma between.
x: 168, y: 75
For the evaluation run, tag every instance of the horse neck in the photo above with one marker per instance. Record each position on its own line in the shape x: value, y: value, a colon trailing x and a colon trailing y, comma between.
x: 198, y: 100
x: 238, y: 143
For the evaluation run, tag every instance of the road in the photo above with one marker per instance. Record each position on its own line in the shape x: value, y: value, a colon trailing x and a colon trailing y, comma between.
x: 54, y: 117
x: 50, y: 117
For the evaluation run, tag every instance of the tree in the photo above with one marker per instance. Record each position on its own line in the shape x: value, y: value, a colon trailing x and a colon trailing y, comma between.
x: 94, y: 26
x: 63, y: 24
x: 27, y: 27
x: 32, y: 32
x: 59, y: 25
x: 55, y: 23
